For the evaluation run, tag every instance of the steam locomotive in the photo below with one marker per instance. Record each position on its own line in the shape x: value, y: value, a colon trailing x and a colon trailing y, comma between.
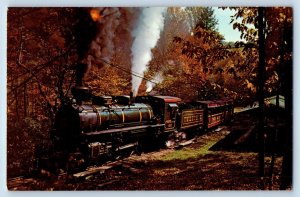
x: 89, y: 127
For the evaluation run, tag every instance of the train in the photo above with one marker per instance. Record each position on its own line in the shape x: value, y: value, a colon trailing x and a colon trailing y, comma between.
x: 89, y: 128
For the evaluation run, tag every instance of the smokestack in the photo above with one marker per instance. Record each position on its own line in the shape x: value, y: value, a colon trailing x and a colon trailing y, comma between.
x: 85, y: 31
x: 131, y: 99
x: 79, y: 91
x: 81, y: 70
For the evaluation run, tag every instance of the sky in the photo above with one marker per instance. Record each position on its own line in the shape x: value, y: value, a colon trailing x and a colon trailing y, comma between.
x: 224, y: 26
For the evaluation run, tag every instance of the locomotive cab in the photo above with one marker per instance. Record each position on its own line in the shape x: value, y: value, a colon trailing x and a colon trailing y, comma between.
x: 165, y: 108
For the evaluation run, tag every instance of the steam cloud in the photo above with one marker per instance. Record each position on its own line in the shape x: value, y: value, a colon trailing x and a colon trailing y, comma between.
x: 146, y: 35
x: 158, y: 78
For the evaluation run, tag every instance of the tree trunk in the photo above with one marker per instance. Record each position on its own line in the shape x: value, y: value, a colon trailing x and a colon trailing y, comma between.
x: 25, y: 99
x: 287, y: 163
x: 260, y: 92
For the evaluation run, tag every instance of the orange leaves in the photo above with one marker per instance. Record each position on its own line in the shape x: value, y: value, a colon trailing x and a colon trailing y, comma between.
x: 57, y: 40
x: 250, y: 85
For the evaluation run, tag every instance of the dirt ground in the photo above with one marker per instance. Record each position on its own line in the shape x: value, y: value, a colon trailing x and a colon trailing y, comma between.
x: 224, y: 158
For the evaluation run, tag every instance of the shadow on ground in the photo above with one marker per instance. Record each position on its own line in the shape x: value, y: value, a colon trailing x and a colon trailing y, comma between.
x: 243, y: 136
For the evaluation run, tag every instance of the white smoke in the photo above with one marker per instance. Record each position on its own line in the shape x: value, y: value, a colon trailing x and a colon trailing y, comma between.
x: 146, y: 35
x: 189, y: 19
x: 158, y: 78
x: 184, y: 19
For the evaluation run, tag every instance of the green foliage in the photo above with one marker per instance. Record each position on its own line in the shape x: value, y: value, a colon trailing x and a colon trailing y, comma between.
x: 188, y: 153
x: 204, y: 17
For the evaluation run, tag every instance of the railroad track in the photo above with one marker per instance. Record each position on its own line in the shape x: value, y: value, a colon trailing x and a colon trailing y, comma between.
x: 125, y: 163
x: 128, y: 162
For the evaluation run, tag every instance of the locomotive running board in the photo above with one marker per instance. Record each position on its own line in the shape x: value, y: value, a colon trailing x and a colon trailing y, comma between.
x: 127, y: 146
x: 127, y: 129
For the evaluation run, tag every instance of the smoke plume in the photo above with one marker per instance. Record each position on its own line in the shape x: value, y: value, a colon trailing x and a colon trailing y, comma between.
x: 146, y: 35
x: 103, y: 34
x: 103, y: 44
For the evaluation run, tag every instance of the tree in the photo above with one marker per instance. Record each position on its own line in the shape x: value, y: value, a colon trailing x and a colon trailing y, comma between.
x: 204, y: 18
x: 278, y: 64
x: 40, y: 71
x: 39, y: 55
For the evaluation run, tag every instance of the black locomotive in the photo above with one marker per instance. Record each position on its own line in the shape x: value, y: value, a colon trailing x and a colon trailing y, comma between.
x: 88, y: 128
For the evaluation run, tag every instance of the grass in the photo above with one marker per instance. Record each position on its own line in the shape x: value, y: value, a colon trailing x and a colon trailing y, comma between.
x: 188, y: 153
